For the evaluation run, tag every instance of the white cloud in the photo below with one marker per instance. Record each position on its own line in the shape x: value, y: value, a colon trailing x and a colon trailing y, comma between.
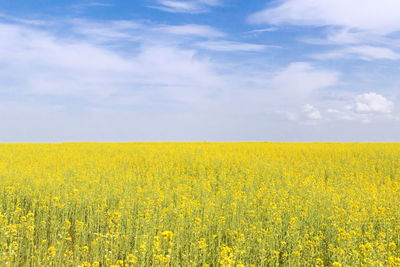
x: 194, y: 6
x: 338, y: 36
x: 283, y: 92
x: 370, y: 52
x: 179, y: 6
x: 121, y: 31
x: 177, y: 73
x: 193, y: 29
x: 229, y: 46
x: 263, y: 30
x: 211, y: 2
x: 364, y: 52
x: 110, y: 31
x: 368, y: 15
x: 373, y: 103
x: 368, y: 26
x: 311, y: 112
x: 81, y: 83
x: 302, y: 78
x: 38, y: 62
x: 365, y: 108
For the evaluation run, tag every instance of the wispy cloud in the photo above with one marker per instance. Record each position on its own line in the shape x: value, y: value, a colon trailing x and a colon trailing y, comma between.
x: 192, y: 29
x: 84, y: 69
x: 346, y: 36
x: 363, y: 29
x: 186, y: 6
x: 300, y: 79
x: 101, y: 31
x: 81, y: 68
x: 229, y: 46
x: 120, y: 79
x: 91, y: 4
x: 263, y: 30
x: 368, y: 15
x: 13, y: 19
x: 364, y: 52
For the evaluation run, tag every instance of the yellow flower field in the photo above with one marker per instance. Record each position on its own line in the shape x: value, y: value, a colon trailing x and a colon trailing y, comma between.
x: 199, y: 204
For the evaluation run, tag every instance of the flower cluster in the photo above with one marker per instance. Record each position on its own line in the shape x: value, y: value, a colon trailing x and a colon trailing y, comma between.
x: 199, y: 204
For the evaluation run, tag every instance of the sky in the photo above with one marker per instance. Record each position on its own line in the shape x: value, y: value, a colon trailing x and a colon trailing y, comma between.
x: 200, y: 70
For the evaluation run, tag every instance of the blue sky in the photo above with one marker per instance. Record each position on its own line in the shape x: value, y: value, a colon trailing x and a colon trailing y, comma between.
x: 199, y: 70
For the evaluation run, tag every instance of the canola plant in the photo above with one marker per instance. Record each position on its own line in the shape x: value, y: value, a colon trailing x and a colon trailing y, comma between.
x: 199, y: 204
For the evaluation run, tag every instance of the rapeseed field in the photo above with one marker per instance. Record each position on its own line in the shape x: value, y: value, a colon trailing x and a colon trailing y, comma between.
x: 199, y: 204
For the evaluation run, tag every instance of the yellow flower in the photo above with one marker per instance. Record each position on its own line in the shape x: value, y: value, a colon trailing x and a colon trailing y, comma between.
x: 167, y: 235
x: 51, y: 251
x: 132, y: 259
